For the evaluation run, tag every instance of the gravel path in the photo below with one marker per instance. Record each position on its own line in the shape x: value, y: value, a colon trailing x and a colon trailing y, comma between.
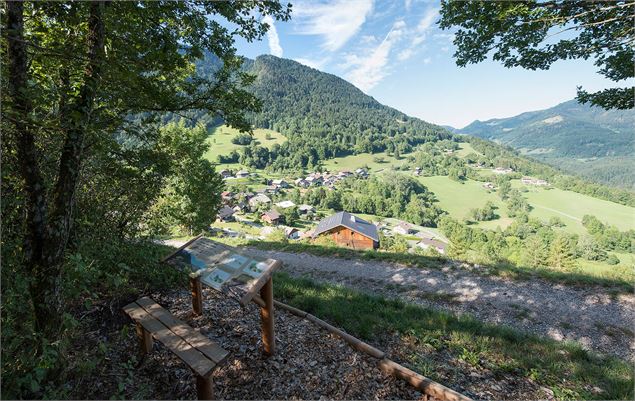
x: 591, y: 316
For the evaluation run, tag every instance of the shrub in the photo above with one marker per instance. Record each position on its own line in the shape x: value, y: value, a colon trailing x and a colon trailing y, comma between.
x: 242, y: 139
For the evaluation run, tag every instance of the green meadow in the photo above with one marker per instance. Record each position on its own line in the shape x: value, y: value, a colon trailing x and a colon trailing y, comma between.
x: 374, y: 162
x: 570, y: 207
x: 220, y: 141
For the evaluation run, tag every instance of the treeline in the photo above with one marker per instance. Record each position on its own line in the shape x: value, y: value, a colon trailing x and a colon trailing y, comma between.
x: 609, y: 237
x: 530, y: 242
x: 388, y: 195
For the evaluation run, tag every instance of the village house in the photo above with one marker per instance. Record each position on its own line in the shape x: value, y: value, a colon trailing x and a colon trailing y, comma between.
x: 272, y: 217
x: 241, y: 207
x: 225, y: 173
x: 404, y: 228
x: 427, y: 243
x: 304, y: 209
x: 315, y: 180
x: 285, y: 204
x: 501, y: 170
x: 344, y: 174
x: 226, y: 196
x: 242, y: 174
x: 534, y: 181
x: 226, y: 213
x: 272, y: 189
x: 349, y: 231
x: 292, y: 233
x: 301, y: 182
x: 489, y: 185
x: 361, y: 172
x: 258, y: 199
x: 280, y: 183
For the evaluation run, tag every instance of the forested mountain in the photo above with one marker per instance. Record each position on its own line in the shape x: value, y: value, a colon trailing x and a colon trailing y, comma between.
x: 596, y: 143
x: 322, y: 116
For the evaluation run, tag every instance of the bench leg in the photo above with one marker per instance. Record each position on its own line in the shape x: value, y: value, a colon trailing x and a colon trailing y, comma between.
x: 205, y: 387
x: 145, y: 339
x: 197, y: 295
x: 267, y: 320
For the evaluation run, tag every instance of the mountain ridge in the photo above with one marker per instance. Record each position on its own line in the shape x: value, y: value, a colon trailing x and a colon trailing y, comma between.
x: 592, y: 142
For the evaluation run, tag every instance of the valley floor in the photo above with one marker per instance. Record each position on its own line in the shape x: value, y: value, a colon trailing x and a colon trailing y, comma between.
x: 592, y: 316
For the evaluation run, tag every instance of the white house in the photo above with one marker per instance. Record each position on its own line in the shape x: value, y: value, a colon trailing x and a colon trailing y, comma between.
x: 403, y: 228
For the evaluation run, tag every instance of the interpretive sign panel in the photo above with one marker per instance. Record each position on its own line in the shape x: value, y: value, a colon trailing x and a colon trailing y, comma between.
x: 224, y: 268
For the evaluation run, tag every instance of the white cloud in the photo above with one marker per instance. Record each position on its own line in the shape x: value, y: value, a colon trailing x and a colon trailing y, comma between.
x: 427, y: 60
x: 419, y: 34
x: 428, y: 19
x: 317, y: 64
x: 335, y: 22
x: 366, y: 72
x: 408, y: 3
x: 272, y: 36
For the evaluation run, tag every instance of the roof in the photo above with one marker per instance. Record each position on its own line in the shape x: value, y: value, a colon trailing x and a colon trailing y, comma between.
x: 405, y: 226
x: 285, y: 204
x: 433, y: 242
x: 225, y: 211
x: 260, y: 198
x: 272, y: 214
x: 349, y: 221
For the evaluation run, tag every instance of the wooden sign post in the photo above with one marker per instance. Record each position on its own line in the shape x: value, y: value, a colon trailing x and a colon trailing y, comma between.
x: 267, y: 319
x: 224, y: 269
x: 197, y: 294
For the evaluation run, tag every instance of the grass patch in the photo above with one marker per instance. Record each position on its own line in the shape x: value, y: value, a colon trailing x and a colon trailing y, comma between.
x: 564, y: 367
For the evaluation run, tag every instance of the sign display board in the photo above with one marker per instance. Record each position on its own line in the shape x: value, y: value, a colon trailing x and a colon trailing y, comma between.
x: 223, y: 268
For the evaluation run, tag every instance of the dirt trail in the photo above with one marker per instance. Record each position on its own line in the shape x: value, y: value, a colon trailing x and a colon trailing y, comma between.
x: 590, y: 316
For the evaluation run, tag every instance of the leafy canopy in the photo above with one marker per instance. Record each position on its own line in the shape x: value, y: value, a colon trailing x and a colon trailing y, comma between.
x: 524, y: 34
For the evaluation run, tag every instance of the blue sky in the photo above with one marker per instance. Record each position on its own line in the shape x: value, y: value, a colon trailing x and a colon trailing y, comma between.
x: 395, y: 52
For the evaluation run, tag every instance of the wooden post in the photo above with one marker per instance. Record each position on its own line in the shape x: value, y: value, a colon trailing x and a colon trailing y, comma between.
x: 205, y: 387
x: 197, y: 295
x: 145, y: 339
x: 266, y: 316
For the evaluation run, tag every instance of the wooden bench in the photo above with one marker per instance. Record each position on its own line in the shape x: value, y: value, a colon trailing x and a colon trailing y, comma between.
x: 197, y: 351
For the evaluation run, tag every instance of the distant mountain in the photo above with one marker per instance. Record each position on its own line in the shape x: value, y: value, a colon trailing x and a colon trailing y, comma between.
x: 590, y: 141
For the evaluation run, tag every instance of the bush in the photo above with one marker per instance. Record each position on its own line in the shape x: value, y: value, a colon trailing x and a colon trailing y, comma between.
x: 96, y: 270
x: 612, y: 260
x: 242, y: 139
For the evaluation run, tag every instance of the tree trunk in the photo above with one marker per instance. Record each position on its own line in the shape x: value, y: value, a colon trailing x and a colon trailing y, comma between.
x: 47, y: 235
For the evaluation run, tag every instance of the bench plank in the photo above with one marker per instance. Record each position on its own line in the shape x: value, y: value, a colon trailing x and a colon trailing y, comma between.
x: 196, y: 360
x: 209, y: 348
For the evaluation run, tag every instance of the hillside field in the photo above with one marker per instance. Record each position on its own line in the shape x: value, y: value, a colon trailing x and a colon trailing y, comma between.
x: 572, y: 206
x: 220, y: 141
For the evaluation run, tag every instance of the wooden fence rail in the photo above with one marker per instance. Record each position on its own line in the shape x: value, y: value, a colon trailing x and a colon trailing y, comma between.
x: 425, y: 385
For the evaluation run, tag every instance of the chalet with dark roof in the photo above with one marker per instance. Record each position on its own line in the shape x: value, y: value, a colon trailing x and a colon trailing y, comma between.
x: 271, y: 217
x: 348, y: 230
